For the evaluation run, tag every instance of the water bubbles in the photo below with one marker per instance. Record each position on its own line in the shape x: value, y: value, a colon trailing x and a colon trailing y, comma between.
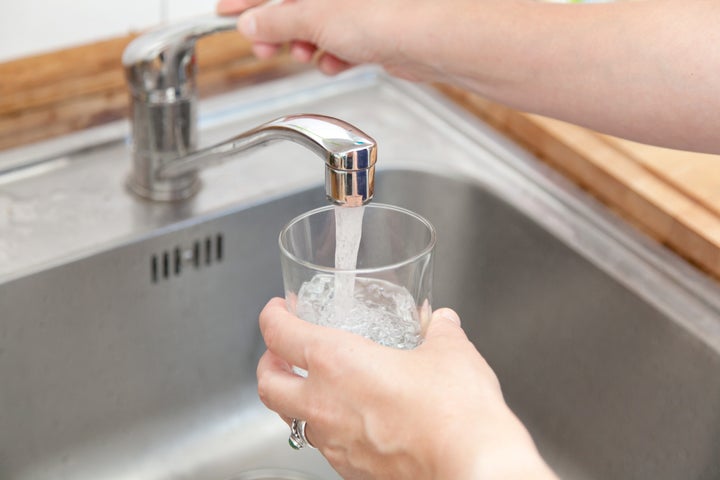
x: 381, y: 311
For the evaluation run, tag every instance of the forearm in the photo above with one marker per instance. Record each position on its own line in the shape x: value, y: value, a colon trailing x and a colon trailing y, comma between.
x: 642, y: 70
x: 509, y: 453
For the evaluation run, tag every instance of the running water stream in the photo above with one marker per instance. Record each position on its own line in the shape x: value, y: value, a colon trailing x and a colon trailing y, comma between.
x: 348, y: 232
x: 376, y: 309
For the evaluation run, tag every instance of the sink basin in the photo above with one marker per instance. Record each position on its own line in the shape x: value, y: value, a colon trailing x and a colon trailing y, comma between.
x: 128, y: 330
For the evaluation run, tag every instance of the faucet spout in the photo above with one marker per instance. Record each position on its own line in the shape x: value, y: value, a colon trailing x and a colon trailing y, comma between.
x: 349, y: 154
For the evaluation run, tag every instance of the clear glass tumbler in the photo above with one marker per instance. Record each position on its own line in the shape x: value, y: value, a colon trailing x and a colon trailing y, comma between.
x: 385, y: 295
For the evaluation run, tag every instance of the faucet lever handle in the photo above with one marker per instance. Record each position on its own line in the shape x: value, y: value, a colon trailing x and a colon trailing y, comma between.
x: 160, y: 69
x: 160, y: 64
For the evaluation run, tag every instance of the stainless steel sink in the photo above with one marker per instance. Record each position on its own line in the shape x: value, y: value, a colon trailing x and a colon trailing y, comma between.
x: 128, y: 335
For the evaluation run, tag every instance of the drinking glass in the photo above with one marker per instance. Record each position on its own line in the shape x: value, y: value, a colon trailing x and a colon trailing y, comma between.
x: 384, y: 296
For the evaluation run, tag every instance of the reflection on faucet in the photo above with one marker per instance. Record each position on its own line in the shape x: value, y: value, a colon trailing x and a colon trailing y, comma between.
x: 349, y: 154
x: 160, y: 68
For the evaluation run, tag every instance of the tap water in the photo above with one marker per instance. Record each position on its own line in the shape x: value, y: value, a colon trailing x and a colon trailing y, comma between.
x: 376, y: 309
x: 348, y: 232
x: 381, y: 311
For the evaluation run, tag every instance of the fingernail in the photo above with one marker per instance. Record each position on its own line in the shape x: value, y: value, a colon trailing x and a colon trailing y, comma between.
x: 264, y: 50
x: 301, y: 54
x: 449, y: 314
x: 247, y: 24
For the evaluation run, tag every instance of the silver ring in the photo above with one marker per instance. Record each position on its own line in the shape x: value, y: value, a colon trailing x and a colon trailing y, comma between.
x: 301, y: 428
x: 297, y: 439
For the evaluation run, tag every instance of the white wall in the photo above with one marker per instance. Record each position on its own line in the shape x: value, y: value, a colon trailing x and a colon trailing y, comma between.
x: 29, y: 27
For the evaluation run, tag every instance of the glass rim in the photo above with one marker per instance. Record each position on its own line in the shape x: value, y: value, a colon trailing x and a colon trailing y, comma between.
x: 384, y: 206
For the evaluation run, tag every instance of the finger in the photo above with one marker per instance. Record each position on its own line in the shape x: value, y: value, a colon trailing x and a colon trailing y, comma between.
x: 230, y: 7
x: 448, y: 314
x: 302, y: 51
x: 444, y: 323
x: 285, y: 334
x: 265, y: 50
x: 296, y: 340
x: 331, y: 65
x: 271, y: 362
x: 308, y: 435
x: 275, y: 23
x: 279, y: 388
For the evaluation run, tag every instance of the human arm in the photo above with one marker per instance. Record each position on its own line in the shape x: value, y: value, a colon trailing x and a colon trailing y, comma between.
x: 435, y: 412
x: 644, y: 70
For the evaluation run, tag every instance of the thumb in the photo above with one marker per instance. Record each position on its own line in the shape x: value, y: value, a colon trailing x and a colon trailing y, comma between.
x: 230, y: 7
x: 444, y: 323
x: 275, y: 23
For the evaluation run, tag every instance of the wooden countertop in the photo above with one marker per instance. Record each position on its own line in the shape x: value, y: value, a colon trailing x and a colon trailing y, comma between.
x: 673, y: 196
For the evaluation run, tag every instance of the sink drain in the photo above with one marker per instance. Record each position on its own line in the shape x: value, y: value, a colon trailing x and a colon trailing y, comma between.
x: 273, y: 474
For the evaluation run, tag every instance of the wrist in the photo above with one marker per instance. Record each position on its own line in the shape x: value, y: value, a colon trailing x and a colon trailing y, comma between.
x: 512, y: 464
x: 492, y: 448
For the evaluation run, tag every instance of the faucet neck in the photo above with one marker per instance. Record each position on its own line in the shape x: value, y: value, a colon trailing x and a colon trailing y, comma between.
x: 349, y: 154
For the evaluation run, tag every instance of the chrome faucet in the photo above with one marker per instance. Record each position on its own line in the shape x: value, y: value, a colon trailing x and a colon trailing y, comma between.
x: 160, y: 68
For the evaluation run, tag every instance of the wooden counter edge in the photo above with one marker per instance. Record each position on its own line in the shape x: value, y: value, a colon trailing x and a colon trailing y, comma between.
x: 610, y: 173
x: 52, y: 94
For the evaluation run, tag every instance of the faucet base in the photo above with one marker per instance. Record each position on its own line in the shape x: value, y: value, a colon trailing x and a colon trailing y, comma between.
x: 173, y: 190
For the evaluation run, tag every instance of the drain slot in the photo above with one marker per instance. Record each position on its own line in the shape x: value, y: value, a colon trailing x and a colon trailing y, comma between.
x: 177, y: 260
x: 165, y: 265
x: 219, y: 247
x: 154, y: 269
x: 200, y: 253
x: 208, y: 251
x: 196, y: 254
